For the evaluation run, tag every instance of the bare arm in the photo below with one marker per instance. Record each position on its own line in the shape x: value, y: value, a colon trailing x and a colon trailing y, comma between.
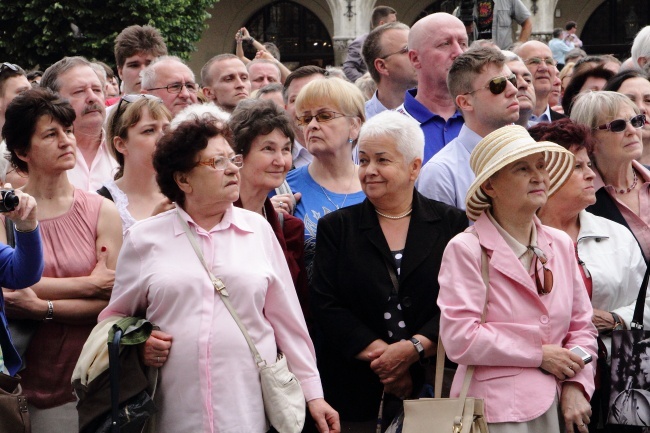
x: 526, y: 30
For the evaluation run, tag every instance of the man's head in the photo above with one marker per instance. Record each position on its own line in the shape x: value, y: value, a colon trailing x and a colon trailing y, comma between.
x: 641, y: 47
x: 172, y: 81
x: 292, y: 86
x: 262, y: 72
x: 643, y: 349
x: 481, y: 85
x: 525, y: 89
x: 75, y: 80
x: 382, y: 15
x: 434, y: 42
x: 273, y: 92
x: 385, y: 52
x: 574, y: 55
x: 13, y: 82
x: 225, y: 81
x: 557, y: 33
x: 539, y: 60
x: 135, y: 48
x: 571, y: 27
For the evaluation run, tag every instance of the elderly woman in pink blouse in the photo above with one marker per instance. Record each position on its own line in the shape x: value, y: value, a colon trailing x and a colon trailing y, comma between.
x: 209, y: 380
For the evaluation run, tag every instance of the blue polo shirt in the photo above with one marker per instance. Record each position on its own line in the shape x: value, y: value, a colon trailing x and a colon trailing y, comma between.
x: 437, y: 131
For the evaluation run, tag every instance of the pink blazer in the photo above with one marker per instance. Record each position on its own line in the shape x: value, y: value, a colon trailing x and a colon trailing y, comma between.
x: 507, y: 349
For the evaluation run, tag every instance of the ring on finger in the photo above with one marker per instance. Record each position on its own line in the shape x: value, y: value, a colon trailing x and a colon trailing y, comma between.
x: 281, y: 204
x: 158, y: 359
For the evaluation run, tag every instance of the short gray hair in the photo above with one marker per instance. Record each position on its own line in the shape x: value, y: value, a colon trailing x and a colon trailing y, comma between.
x: 50, y: 78
x: 207, y: 111
x: 593, y: 108
x: 401, y: 129
x: 641, y: 45
x: 149, y: 74
x: 270, y: 62
x: 269, y: 88
x: 510, y: 56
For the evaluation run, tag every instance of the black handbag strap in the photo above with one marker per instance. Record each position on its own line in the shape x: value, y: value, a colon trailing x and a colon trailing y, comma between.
x: 114, y: 368
x: 637, y: 319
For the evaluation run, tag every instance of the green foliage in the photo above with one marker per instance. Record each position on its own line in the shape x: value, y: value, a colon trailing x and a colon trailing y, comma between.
x: 37, y: 33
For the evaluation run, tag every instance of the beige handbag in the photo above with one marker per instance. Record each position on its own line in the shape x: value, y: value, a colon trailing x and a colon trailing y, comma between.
x: 284, y: 401
x: 449, y: 415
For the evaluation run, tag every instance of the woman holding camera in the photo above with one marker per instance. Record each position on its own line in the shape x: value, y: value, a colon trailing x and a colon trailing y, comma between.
x: 535, y: 304
x: 81, y: 235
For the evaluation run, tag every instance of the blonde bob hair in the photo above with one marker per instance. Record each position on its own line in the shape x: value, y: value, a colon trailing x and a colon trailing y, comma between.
x: 342, y: 95
x: 596, y: 108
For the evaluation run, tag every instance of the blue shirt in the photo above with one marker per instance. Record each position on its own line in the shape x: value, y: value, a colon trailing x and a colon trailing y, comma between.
x: 374, y: 106
x: 316, y: 202
x: 447, y: 176
x: 559, y: 48
x: 437, y: 131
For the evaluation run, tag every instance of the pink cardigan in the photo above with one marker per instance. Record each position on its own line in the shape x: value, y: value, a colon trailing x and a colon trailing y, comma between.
x: 507, y: 349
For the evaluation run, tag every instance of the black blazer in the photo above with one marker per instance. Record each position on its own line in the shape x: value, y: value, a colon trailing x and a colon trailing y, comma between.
x: 556, y: 116
x: 351, y: 284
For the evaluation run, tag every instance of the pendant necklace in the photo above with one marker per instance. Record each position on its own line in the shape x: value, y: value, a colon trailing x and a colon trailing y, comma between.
x: 344, y: 198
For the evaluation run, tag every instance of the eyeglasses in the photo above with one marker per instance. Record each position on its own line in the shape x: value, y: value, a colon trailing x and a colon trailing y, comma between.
x: 538, y: 61
x: 619, y: 125
x: 404, y: 50
x: 539, y: 256
x: 129, y: 99
x: 322, y: 117
x: 497, y: 85
x: 178, y: 87
x: 9, y: 67
x: 221, y: 162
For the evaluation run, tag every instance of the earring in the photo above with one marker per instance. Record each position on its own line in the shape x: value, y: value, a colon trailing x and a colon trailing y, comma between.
x: 350, y: 140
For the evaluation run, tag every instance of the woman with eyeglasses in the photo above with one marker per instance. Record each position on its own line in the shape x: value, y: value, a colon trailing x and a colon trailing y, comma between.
x: 622, y: 184
x: 134, y: 127
x: 636, y: 86
x: 209, y: 380
x: 331, y: 112
x: 81, y: 235
x: 611, y: 264
x: 512, y: 301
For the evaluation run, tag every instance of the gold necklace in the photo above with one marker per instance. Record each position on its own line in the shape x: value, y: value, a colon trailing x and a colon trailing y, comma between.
x: 398, y: 217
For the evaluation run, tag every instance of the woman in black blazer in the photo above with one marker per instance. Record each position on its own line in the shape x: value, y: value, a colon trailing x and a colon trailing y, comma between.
x: 375, y: 280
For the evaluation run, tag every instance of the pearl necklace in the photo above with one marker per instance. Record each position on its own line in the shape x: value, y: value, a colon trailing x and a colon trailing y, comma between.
x: 398, y: 217
x: 631, y: 187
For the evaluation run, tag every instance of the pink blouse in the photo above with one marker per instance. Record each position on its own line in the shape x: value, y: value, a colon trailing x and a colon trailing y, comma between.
x: 210, y: 382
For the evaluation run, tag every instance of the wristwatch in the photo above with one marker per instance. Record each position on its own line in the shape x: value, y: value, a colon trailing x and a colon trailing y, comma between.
x: 419, y: 348
x: 618, y: 322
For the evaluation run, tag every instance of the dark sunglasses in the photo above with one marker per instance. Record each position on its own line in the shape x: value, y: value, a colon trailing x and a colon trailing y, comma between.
x: 128, y: 99
x: 540, y: 257
x: 9, y: 67
x: 497, y: 85
x: 619, y: 125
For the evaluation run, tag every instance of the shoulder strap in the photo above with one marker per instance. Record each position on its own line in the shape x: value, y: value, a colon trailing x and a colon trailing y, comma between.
x: 9, y: 229
x: 220, y: 288
x: 281, y: 219
x: 440, y: 358
x: 637, y: 318
x: 114, y: 373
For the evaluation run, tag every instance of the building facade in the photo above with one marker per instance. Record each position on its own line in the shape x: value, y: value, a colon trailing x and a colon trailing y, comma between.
x: 318, y: 31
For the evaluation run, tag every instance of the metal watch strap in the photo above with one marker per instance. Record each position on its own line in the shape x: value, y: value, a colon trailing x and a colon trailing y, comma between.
x: 618, y: 322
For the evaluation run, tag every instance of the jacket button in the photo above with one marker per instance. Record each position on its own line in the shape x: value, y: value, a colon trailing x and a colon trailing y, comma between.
x: 407, y: 302
x: 544, y: 319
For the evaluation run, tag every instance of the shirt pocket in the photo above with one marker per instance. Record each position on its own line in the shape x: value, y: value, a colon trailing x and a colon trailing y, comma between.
x: 503, y: 18
x: 483, y: 373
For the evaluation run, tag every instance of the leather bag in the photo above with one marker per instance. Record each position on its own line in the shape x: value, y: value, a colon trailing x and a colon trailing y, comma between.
x: 284, y: 401
x: 449, y: 415
x: 14, y: 417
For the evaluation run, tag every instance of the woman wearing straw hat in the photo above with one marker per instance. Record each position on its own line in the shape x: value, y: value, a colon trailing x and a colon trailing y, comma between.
x: 537, y: 307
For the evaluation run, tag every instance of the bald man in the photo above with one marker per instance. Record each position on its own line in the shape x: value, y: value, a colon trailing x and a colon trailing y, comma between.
x: 434, y: 42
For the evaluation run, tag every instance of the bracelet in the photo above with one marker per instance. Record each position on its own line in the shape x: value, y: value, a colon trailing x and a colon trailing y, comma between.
x: 26, y: 231
x: 50, y: 311
x: 618, y: 322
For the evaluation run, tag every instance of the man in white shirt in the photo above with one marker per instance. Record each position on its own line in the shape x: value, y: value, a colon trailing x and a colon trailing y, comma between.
x: 485, y: 91
x: 75, y: 80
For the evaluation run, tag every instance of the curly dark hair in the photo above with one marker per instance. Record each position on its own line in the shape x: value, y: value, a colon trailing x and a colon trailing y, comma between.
x: 564, y: 132
x: 22, y: 115
x: 255, y: 117
x: 177, y: 152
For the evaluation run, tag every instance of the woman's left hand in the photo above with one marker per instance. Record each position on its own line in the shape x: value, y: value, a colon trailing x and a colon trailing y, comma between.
x: 326, y: 418
x: 24, y: 215
x: 575, y: 408
x: 24, y: 304
x: 393, y: 361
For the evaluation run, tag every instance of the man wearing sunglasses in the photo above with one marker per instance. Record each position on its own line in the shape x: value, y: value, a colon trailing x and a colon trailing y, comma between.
x: 75, y: 80
x: 13, y: 82
x: 539, y: 60
x: 485, y: 91
x: 386, y: 54
x: 170, y: 79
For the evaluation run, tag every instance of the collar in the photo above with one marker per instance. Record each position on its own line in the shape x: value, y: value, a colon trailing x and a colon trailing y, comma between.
x: 298, y: 149
x: 230, y: 218
x: 421, y: 212
x: 590, y: 228
x: 468, y: 138
x: 544, y: 117
x: 517, y: 247
x: 419, y: 112
x: 644, y: 175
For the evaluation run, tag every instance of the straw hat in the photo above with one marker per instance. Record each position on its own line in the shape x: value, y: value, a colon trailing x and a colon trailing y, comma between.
x: 507, y: 145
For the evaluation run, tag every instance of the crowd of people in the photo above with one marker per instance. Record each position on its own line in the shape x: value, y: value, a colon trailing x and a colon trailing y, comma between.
x: 447, y: 183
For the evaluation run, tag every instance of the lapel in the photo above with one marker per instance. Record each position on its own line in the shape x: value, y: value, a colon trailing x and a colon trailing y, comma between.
x: 369, y: 226
x: 503, y: 259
